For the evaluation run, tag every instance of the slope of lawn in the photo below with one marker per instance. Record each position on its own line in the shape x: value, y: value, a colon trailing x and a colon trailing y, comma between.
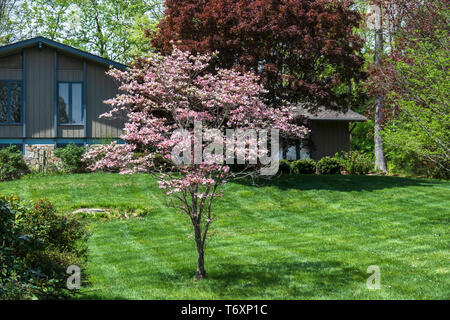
x: 300, y: 237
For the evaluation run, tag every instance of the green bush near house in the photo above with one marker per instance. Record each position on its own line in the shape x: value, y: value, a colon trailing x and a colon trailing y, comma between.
x: 37, y: 248
x: 72, y: 158
x: 329, y: 165
x: 285, y: 166
x: 306, y: 166
x: 355, y: 162
x: 12, y: 165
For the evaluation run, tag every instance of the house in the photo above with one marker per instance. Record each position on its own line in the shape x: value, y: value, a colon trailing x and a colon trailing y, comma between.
x: 330, y: 133
x: 52, y: 94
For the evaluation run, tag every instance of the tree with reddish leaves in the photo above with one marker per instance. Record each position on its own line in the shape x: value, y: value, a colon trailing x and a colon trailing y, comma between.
x: 303, y: 50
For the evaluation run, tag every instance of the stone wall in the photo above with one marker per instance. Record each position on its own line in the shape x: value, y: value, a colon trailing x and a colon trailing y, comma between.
x: 40, y: 157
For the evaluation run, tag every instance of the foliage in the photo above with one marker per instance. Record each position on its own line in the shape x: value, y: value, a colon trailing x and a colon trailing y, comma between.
x: 329, y: 215
x: 72, y: 158
x: 116, y: 29
x: 37, y: 247
x: 355, y: 162
x: 329, y: 165
x: 302, y: 49
x: 306, y: 166
x: 166, y: 99
x: 415, y: 81
x: 362, y: 139
x: 6, y: 30
x: 422, y: 127
x: 12, y: 165
x: 285, y: 166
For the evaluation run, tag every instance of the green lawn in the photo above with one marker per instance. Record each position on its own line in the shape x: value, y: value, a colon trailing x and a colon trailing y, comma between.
x: 302, y: 237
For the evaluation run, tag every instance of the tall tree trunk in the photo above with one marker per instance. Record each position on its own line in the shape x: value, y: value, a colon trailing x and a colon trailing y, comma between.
x: 380, y: 159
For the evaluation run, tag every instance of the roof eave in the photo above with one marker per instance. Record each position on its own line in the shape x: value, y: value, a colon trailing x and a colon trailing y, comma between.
x: 62, y: 47
x: 347, y: 120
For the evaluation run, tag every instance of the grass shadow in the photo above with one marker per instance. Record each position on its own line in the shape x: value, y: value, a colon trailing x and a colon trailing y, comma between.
x: 280, y: 280
x: 341, y: 183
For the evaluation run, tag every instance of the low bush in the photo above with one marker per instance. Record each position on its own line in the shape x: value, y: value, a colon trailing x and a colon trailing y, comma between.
x: 285, y: 166
x: 329, y: 165
x: 71, y: 158
x: 12, y: 165
x: 307, y: 166
x: 37, y: 248
x: 355, y: 163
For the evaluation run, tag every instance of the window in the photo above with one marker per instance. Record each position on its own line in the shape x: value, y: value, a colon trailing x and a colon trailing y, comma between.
x: 10, y: 102
x: 70, y: 103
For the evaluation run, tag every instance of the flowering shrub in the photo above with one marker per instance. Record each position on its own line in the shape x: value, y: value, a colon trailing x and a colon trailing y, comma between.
x: 172, y: 105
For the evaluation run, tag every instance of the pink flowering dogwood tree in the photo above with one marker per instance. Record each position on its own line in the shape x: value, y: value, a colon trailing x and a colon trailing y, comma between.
x: 177, y: 117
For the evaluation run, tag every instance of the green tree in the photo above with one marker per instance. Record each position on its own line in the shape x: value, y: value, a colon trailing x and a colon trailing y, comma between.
x: 115, y: 29
x: 418, y: 137
x: 6, y: 30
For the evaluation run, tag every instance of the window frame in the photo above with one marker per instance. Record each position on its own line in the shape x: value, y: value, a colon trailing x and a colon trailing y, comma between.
x: 9, y: 121
x: 83, y: 111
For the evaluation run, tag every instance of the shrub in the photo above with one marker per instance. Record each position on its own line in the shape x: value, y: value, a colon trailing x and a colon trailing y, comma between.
x: 12, y: 165
x: 285, y: 166
x: 37, y: 247
x: 307, y: 166
x: 329, y: 165
x: 354, y: 162
x: 72, y: 158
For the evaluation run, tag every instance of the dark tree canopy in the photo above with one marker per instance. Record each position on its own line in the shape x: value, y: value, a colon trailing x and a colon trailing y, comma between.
x: 304, y: 50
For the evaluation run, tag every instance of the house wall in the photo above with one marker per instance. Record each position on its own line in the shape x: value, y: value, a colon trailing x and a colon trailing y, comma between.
x: 40, y: 96
x: 40, y: 93
x: 329, y: 137
x: 100, y: 88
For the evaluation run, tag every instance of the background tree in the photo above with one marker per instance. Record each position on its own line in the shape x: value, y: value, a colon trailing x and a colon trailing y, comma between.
x: 303, y: 50
x: 114, y: 29
x: 380, y: 159
x: 165, y: 95
x: 6, y: 32
x: 414, y: 79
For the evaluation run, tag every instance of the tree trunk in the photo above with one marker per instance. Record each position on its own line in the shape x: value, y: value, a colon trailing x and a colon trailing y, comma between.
x: 380, y: 159
x: 201, y: 272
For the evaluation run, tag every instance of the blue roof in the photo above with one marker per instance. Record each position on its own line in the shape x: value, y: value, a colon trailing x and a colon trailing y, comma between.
x: 62, y: 47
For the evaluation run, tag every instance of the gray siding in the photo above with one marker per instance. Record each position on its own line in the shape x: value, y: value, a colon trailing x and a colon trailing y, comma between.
x: 70, y: 75
x: 69, y: 69
x: 10, y: 131
x: 11, y: 74
x: 70, y: 131
x: 13, y: 61
x: 40, y: 93
x: 100, y: 87
x: 329, y: 137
